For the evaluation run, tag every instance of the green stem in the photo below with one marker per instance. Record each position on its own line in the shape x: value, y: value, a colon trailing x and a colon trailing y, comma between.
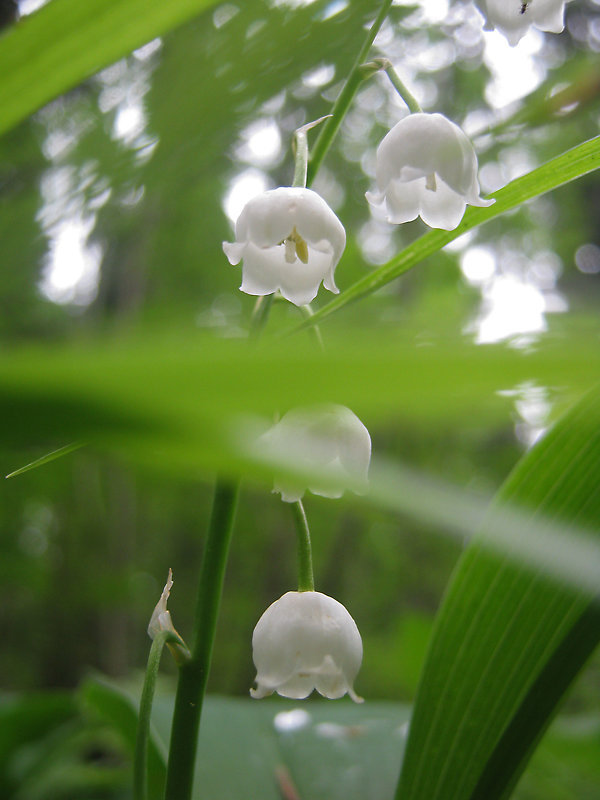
x: 307, y: 313
x: 345, y: 97
x: 306, y: 581
x: 140, y: 763
x: 260, y: 315
x: 399, y: 86
x: 301, y: 163
x: 193, y: 675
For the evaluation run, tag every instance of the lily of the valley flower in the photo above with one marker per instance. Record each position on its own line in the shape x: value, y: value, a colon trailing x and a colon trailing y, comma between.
x: 290, y: 240
x: 427, y: 167
x: 513, y: 18
x: 306, y: 641
x: 328, y: 441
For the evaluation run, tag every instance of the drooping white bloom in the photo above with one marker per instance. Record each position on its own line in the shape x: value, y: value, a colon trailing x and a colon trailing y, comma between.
x: 514, y: 17
x: 306, y: 641
x: 328, y: 441
x: 427, y: 167
x: 290, y: 240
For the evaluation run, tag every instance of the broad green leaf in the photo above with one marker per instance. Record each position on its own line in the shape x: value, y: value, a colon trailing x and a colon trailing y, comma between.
x: 179, y: 407
x: 249, y: 748
x: 564, y: 168
x: 180, y: 394
x: 333, y: 750
x: 508, y: 640
x: 66, y: 41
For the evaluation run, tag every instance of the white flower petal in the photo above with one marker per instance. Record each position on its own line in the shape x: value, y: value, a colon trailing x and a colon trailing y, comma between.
x: 306, y: 641
x: 402, y: 200
x: 262, y: 269
x: 443, y: 208
x: 299, y: 283
x: 234, y: 251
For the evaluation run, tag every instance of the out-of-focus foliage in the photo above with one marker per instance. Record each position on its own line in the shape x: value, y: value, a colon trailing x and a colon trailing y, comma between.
x: 362, y: 754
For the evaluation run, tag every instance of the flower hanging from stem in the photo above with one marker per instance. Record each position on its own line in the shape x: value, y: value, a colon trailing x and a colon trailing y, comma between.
x: 290, y: 241
x: 427, y: 167
x: 306, y: 641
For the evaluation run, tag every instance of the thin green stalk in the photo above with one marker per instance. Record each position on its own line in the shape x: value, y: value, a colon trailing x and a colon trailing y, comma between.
x: 399, y: 86
x: 306, y: 581
x: 140, y: 763
x: 301, y: 158
x: 193, y: 675
x: 345, y: 97
x: 307, y: 313
x: 260, y: 315
x: 300, y: 144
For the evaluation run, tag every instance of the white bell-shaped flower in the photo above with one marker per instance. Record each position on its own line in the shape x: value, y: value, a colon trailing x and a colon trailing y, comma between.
x: 290, y: 240
x: 327, y: 441
x: 306, y: 641
x: 513, y: 18
x: 426, y: 166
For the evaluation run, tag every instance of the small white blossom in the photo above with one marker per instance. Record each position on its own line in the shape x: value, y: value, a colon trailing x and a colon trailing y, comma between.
x: 290, y: 240
x: 306, y: 641
x: 513, y: 18
x: 329, y: 441
x: 427, y: 167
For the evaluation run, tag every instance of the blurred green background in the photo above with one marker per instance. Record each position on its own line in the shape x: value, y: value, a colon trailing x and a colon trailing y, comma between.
x: 114, y: 201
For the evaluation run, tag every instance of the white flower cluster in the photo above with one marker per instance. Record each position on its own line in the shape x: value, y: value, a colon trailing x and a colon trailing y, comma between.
x: 290, y: 240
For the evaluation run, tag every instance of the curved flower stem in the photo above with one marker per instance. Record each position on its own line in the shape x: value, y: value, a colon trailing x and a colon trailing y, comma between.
x: 398, y: 85
x: 140, y: 762
x: 345, y: 97
x: 193, y: 674
x: 306, y: 581
x: 300, y: 145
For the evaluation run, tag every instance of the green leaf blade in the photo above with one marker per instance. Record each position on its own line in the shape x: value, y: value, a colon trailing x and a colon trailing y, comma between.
x: 508, y: 639
x: 53, y: 50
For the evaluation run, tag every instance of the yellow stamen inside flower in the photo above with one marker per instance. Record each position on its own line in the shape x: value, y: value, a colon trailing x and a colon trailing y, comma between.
x: 295, y: 246
x: 430, y: 182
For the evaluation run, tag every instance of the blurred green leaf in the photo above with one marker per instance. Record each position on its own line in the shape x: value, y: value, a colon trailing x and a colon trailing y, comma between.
x: 564, y: 168
x: 24, y: 721
x: 508, y: 640
x: 117, y: 708
x: 340, y: 751
x: 174, y: 400
x: 46, y: 459
x: 66, y: 41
